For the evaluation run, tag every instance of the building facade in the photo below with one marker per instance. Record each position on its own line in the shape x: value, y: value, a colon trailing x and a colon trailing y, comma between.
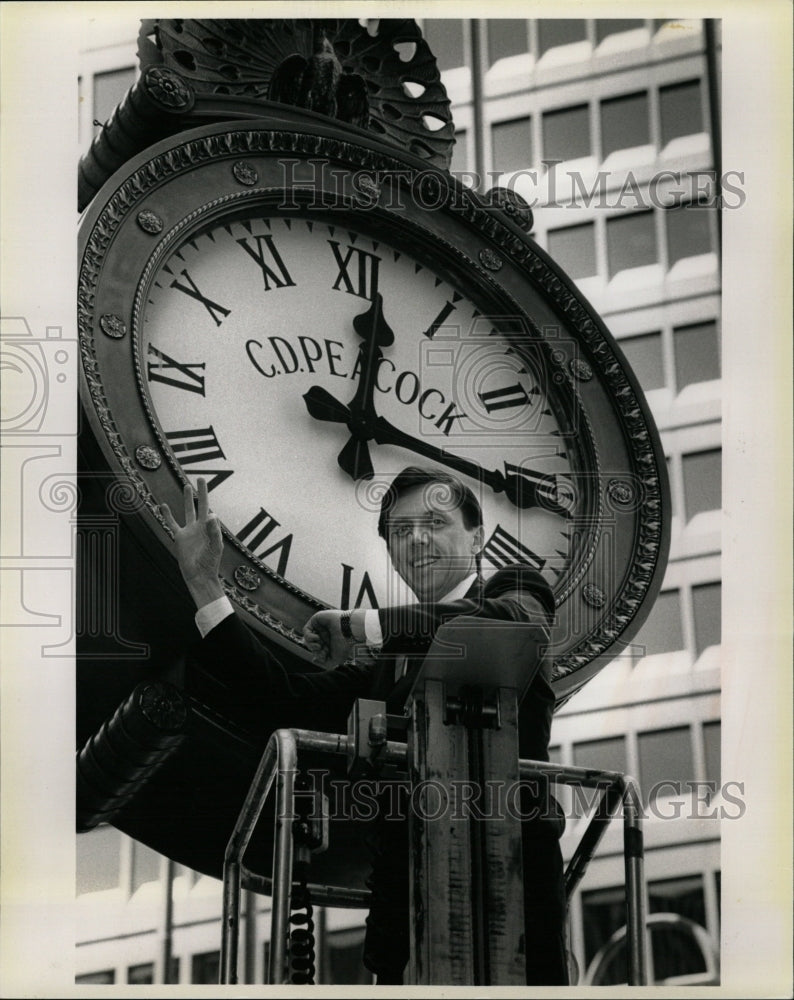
x: 610, y: 129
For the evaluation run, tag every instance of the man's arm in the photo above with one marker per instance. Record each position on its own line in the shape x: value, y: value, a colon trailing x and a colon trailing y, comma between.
x: 229, y: 650
x: 517, y: 593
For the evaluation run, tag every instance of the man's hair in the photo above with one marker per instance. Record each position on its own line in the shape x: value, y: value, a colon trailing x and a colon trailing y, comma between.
x: 444, y: 489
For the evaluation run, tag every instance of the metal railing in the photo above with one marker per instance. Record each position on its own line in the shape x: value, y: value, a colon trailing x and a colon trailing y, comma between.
x: 280, y: 761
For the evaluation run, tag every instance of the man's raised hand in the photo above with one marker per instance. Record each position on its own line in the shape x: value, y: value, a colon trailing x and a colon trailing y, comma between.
x: 199, y: 545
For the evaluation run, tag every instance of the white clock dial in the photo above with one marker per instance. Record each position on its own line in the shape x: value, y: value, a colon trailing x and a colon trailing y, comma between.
x: 251, y: 351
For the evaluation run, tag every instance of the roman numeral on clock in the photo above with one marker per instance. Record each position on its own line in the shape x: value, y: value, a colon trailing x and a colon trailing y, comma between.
x: 502, y: 550
x: 269, y: 260
x: 442, y: 317
x: 503, y: 399
x: 255, y: 536
x: 365, y: 589
x: 358, y: 271
x: 191, y: 289
x: 198, y: 445
x: 168, y: 371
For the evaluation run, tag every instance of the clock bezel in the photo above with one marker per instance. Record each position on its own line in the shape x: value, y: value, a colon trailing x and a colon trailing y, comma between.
x: 513, y: 257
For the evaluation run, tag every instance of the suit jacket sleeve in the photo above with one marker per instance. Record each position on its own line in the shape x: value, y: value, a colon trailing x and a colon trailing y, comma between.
x: 311, y: 699
x: 517, y: 593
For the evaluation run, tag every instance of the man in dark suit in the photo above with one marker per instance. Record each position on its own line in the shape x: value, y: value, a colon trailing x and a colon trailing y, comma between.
x: 432, y: 526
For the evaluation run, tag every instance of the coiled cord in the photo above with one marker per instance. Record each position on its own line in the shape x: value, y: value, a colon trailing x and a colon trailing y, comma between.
x: 301, y: 940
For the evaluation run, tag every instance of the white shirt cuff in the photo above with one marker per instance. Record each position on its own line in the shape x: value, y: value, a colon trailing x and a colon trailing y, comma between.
x: 212, y: 614
x: 372, y: 630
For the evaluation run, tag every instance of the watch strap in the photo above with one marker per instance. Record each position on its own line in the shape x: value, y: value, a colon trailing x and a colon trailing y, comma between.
x: 344, y: 625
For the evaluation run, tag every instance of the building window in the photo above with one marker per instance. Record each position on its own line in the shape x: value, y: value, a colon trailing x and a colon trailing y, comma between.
x: 96, y: 978
x: 553, y: 32
x: 712, y: 752
x: 511, y: 144
x: 675, y: 950
x: 631, y: 241
x: 141, y: 975
x: 98, y: 860
x: 662, y: 631
x: 445, y: 38
x: 506, y: 37
x: 608, y: 754
x: 614, y: 25
x: 205, y: 967
x: 604, y: 755
x: 697, y: 353
x: 145, y: 865
x: 706, y: 601
x: 644, y: 355
x: 109, y: 91
x: 345, y: 949
x: 681, y: 110
x: 566, y: 133
x: 702, y: 471
x: 624, y: 123
x: 688, y: 232
x: 603, y: 912
x: 573, y: 248
x: 665, y: 756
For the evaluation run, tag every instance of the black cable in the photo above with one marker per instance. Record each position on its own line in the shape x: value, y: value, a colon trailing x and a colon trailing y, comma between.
x: 301, y: 941
x: 301, y: 938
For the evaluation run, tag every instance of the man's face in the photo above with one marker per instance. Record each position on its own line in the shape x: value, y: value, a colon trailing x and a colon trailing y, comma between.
x: 429, y: 545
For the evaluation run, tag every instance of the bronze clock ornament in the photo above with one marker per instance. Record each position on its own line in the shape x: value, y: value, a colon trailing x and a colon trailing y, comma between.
x: 295, y: 311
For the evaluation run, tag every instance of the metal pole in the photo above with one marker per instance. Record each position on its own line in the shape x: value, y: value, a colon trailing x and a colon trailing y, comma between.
x: 477, y: 102
x: 168, y: 919
x: 596, y: 828
x: 282, y: 856
x: 238, y: 842
x: 249, y: 961
x: 633, y: 857
x: 712, y: 79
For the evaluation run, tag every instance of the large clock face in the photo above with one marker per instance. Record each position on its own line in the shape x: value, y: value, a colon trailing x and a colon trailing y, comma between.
x: 298, y: 344
x: 256, y: 339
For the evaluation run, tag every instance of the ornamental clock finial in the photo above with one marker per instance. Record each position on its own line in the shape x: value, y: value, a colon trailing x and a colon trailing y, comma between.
x: 377, y: 75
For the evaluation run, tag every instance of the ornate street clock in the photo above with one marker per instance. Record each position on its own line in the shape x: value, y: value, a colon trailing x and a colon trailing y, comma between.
x: 295, y: 311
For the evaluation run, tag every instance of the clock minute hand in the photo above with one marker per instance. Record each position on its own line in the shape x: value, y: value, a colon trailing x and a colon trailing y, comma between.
x: 386, y: 433
x: 522, y: 488
x: 375, y: 334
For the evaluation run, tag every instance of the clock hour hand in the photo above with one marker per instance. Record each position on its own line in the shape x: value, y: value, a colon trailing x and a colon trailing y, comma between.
x: 522, y: 487
x: 354, y: 457
x: 323, y: 406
